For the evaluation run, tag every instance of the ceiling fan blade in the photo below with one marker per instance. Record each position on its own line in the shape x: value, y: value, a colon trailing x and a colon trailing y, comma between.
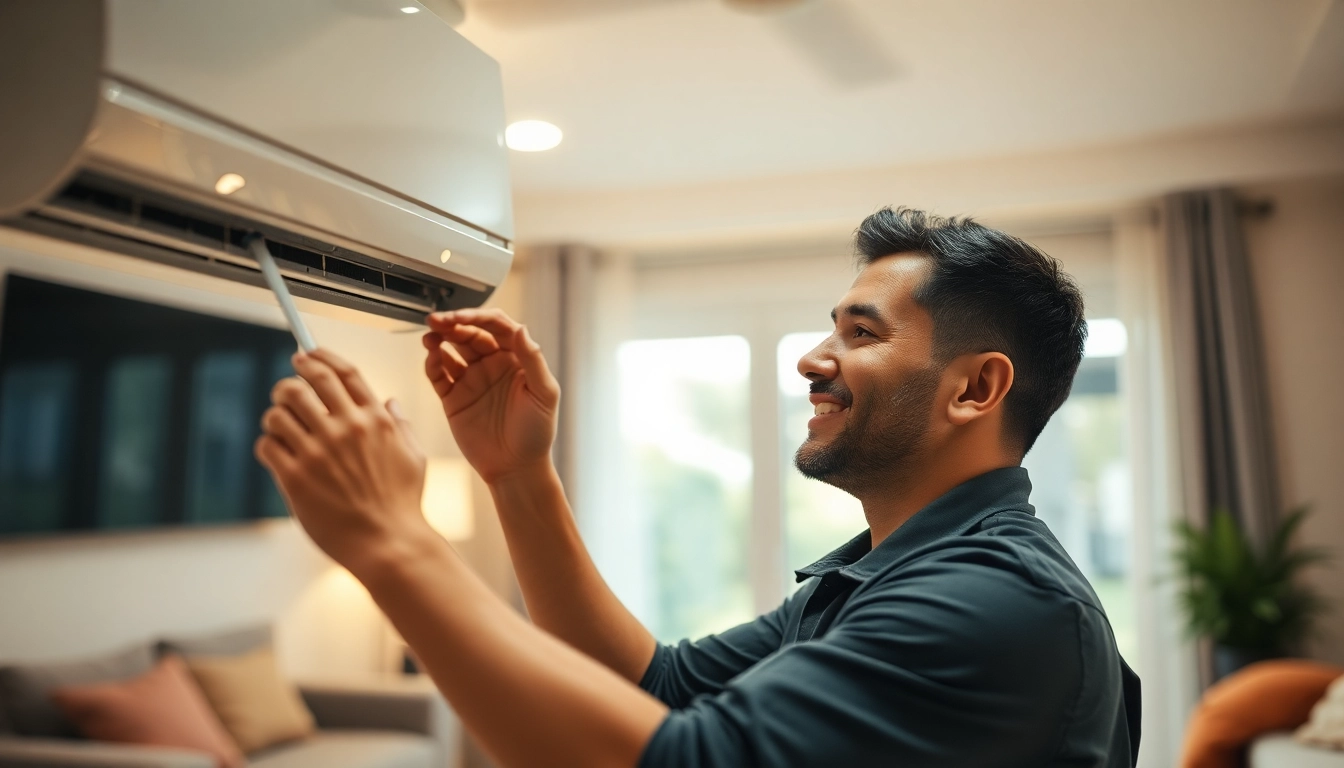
x: 536, y: 13
x: 830, y: 35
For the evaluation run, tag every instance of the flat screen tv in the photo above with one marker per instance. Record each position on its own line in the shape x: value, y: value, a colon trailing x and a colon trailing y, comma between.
x: 119, y: 414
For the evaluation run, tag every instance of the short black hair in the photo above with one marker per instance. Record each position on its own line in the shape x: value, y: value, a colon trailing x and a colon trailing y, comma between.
x: 991, y: 292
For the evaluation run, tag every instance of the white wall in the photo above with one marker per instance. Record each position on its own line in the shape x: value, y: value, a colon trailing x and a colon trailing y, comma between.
x: 67, y: 596
x: 1297, y: 260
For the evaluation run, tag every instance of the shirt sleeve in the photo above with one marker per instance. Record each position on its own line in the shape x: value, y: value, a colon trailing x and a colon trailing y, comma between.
x: 678, y: 673
x: 960, y: 662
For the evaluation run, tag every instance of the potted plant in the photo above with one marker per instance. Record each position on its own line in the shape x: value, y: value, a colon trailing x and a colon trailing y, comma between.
x: 1248, y: 602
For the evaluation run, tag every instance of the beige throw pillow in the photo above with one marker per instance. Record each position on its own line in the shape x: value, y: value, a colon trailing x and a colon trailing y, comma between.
x: 256, y: 705
x: 1325, y: 727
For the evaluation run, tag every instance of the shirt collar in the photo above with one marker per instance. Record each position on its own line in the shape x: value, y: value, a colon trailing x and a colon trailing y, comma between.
x: 951, y: 514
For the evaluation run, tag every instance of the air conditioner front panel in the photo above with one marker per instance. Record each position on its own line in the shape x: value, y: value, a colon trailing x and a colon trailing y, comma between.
x: 157, y: 144
x: 400, y: 101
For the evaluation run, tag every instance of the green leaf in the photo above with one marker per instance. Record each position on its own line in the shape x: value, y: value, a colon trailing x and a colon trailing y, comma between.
x: 1266, y: 610
x: 1240, y: 596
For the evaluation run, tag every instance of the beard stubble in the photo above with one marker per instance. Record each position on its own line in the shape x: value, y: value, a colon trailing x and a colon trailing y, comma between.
x: 879, y: 439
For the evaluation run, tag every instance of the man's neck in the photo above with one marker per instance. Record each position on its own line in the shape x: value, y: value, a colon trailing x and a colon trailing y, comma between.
x: 889, y: 506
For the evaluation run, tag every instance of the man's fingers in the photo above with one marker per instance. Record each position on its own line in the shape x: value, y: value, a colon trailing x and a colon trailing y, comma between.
x: 445, y: 353
x: 450, y: 358
x: 540, y: 380
x: 298, y: 397
x: 354, y: 383
x: 493, y: 321
x: 472, y: 342
x: 443, y: 364
x: 274, y: 456
x: 279, y: 422
x: 434, y: 372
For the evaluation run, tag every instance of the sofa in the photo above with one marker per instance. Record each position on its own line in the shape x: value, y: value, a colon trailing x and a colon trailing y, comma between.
x: 1280, y: 713
x: 396, y: 722
x: 1281, y: 750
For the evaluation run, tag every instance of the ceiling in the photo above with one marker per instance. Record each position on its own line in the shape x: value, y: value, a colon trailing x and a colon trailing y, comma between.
x: 687, y: 92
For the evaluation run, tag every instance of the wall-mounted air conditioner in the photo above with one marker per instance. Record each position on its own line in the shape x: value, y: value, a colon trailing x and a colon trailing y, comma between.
x: 365, y: 143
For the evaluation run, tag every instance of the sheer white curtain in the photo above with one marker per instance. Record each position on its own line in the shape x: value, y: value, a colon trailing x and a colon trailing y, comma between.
x: 578, y: 308
x: 1166, y: 660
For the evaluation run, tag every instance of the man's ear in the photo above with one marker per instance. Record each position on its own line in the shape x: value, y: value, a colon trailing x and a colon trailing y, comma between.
x: 983, y: 381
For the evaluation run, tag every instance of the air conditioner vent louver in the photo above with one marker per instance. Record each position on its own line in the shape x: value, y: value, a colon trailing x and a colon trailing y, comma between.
x: 111, y: 214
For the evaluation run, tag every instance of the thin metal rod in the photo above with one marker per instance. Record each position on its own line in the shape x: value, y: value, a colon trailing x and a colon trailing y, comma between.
x: 257, y: 245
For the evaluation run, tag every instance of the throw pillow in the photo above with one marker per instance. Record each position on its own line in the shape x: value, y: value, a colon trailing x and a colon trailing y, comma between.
x: 1326, y: 726
x: 255, y: 704
x: 163, y: 707
x: 1266, y: 696
x: 25, y: 690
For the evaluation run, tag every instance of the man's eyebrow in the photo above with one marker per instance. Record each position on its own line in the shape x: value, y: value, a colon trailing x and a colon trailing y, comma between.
x: 869, y: 311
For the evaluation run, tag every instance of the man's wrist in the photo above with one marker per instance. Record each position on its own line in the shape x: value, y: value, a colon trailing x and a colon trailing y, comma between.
x: 527, y: 477
x: 379, y: 558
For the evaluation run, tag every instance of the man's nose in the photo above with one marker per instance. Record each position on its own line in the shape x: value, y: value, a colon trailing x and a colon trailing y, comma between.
x: 819, y: 364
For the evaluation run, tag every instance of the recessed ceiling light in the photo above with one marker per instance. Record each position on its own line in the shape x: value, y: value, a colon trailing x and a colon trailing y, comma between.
x: 229, y: 183
x: 445, y: 256
x: 532, y: 136
x: 410, y: 9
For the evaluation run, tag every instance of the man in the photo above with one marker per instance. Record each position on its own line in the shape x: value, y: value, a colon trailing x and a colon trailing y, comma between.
x: 954, y: 632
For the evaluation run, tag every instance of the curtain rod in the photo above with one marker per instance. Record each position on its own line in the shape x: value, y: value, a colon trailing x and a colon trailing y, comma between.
x: 1255, y: 209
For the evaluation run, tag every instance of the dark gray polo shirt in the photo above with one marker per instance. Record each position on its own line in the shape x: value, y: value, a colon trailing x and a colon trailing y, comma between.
x: 966, y: 638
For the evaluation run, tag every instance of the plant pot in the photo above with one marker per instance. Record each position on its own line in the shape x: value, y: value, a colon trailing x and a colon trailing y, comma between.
x: 1227, y: 659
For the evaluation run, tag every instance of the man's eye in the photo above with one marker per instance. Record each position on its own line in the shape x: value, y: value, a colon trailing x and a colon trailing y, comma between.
x: 861, y: 331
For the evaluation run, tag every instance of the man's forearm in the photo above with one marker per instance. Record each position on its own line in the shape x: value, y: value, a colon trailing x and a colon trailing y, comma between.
x: 530, y: 699
x: 565, y: 594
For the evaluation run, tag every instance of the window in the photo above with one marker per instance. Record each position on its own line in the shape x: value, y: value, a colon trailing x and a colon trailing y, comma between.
x: 223, y: 386
x: 135, y: 438
x: 38, y: 401
x: 1081, y: 481
x: 684, y: 421
x: 817, y: 517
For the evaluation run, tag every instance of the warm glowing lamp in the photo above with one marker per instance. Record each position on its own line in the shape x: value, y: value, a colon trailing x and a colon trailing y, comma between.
x: 447, y: 498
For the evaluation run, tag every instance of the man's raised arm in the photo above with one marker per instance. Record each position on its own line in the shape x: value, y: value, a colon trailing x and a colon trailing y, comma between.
x: 501, y: 402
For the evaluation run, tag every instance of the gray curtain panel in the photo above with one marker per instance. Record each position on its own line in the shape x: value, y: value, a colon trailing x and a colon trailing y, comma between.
x: 558, y: 295
x: 1223, y: 410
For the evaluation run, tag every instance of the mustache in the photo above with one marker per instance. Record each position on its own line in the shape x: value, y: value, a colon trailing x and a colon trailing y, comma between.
x: 834, y: 389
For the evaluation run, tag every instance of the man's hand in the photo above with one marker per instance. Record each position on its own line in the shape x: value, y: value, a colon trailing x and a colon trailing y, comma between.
x: 348, y: 465
x: 500, y: 398
x: 501, y: 401
x: 353, y: 476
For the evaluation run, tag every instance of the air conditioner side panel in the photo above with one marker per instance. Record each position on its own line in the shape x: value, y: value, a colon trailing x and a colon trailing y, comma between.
x: 51, y: 58
x: 399, y: 100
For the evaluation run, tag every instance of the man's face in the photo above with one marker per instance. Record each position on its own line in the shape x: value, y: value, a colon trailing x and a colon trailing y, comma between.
x: 873, y: 380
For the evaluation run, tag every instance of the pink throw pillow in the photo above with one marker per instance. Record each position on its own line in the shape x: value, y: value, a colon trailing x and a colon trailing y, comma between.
x: 163, y: 707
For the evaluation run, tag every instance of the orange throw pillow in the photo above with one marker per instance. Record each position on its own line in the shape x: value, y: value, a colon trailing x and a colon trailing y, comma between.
x: 164, y: 707
x: 1267, y: 696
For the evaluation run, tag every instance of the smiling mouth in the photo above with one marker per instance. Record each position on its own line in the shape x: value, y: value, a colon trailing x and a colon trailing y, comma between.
x: 822, y: 409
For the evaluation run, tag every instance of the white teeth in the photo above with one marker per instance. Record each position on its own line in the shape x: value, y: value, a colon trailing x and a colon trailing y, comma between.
x: 824, y: 408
